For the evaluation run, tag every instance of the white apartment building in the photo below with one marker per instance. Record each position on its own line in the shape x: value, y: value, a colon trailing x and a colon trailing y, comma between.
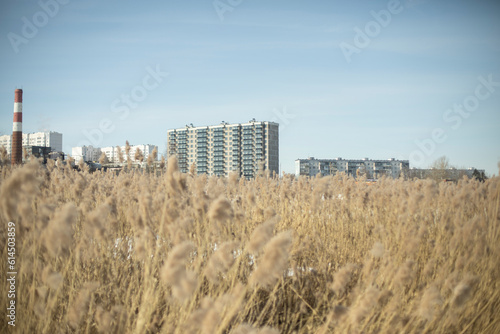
x: 87, y: 153
x: 6, y: 141
x: 45, y: 139
x: 221, y: 149
x: 48, y: 139
x: 90, y: 153
x: 112, y: 152
x: 372, y: 169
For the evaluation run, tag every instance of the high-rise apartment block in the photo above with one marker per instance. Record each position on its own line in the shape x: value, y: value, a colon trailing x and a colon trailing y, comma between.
x: 372, y: 169
x: 225, y: 148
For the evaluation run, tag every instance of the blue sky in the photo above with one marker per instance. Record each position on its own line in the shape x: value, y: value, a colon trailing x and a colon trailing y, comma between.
x: 270, y: 60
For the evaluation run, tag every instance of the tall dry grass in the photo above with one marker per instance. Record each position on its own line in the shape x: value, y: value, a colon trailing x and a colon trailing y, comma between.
x: 178, y: 253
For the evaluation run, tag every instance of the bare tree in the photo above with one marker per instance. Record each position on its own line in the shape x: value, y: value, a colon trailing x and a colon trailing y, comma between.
x: 440, y: 168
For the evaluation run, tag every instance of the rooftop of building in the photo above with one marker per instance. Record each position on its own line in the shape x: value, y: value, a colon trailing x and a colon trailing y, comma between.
x: 359, y: 160
x: 222, y: 124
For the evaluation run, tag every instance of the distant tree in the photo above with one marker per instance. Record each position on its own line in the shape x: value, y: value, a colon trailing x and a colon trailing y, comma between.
x: 480, y: 176
x: 441, y: 163
x: 440, y: 168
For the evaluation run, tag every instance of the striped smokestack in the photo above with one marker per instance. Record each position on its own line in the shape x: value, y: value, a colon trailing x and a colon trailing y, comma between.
x: 17, y: 129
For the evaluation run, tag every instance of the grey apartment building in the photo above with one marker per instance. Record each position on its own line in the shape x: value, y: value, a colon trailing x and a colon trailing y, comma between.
x: 372, y: 169
x: 224, y: 148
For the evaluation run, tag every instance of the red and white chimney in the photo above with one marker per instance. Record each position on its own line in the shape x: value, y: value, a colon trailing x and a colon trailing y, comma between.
x: 17, y: 129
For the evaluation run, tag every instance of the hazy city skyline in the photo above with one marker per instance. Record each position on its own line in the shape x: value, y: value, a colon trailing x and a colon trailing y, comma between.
x: 379, y: 79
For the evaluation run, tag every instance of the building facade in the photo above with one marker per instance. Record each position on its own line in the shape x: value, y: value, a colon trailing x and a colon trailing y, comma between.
x: 42, y: 139
x: 87, y: 153
x: 372, y: 169
x: 451, y: 174
x: 36, y: 151
x: 6, y: 141
x: 48, y: 139
x: 113, y: 156
x: 225, y: 148
x: 90, y: 153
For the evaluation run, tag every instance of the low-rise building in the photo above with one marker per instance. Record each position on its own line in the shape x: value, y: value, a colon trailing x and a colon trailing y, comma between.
x: 451, y: 174
x: 50, y: 139
x: 36, y: 151
x: 113, y: 155
x: 87, y: 153
x: 372, y: 169
x: 90, y: 153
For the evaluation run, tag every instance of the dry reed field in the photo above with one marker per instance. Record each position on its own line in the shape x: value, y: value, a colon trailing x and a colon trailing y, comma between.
x: 167, y: 252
